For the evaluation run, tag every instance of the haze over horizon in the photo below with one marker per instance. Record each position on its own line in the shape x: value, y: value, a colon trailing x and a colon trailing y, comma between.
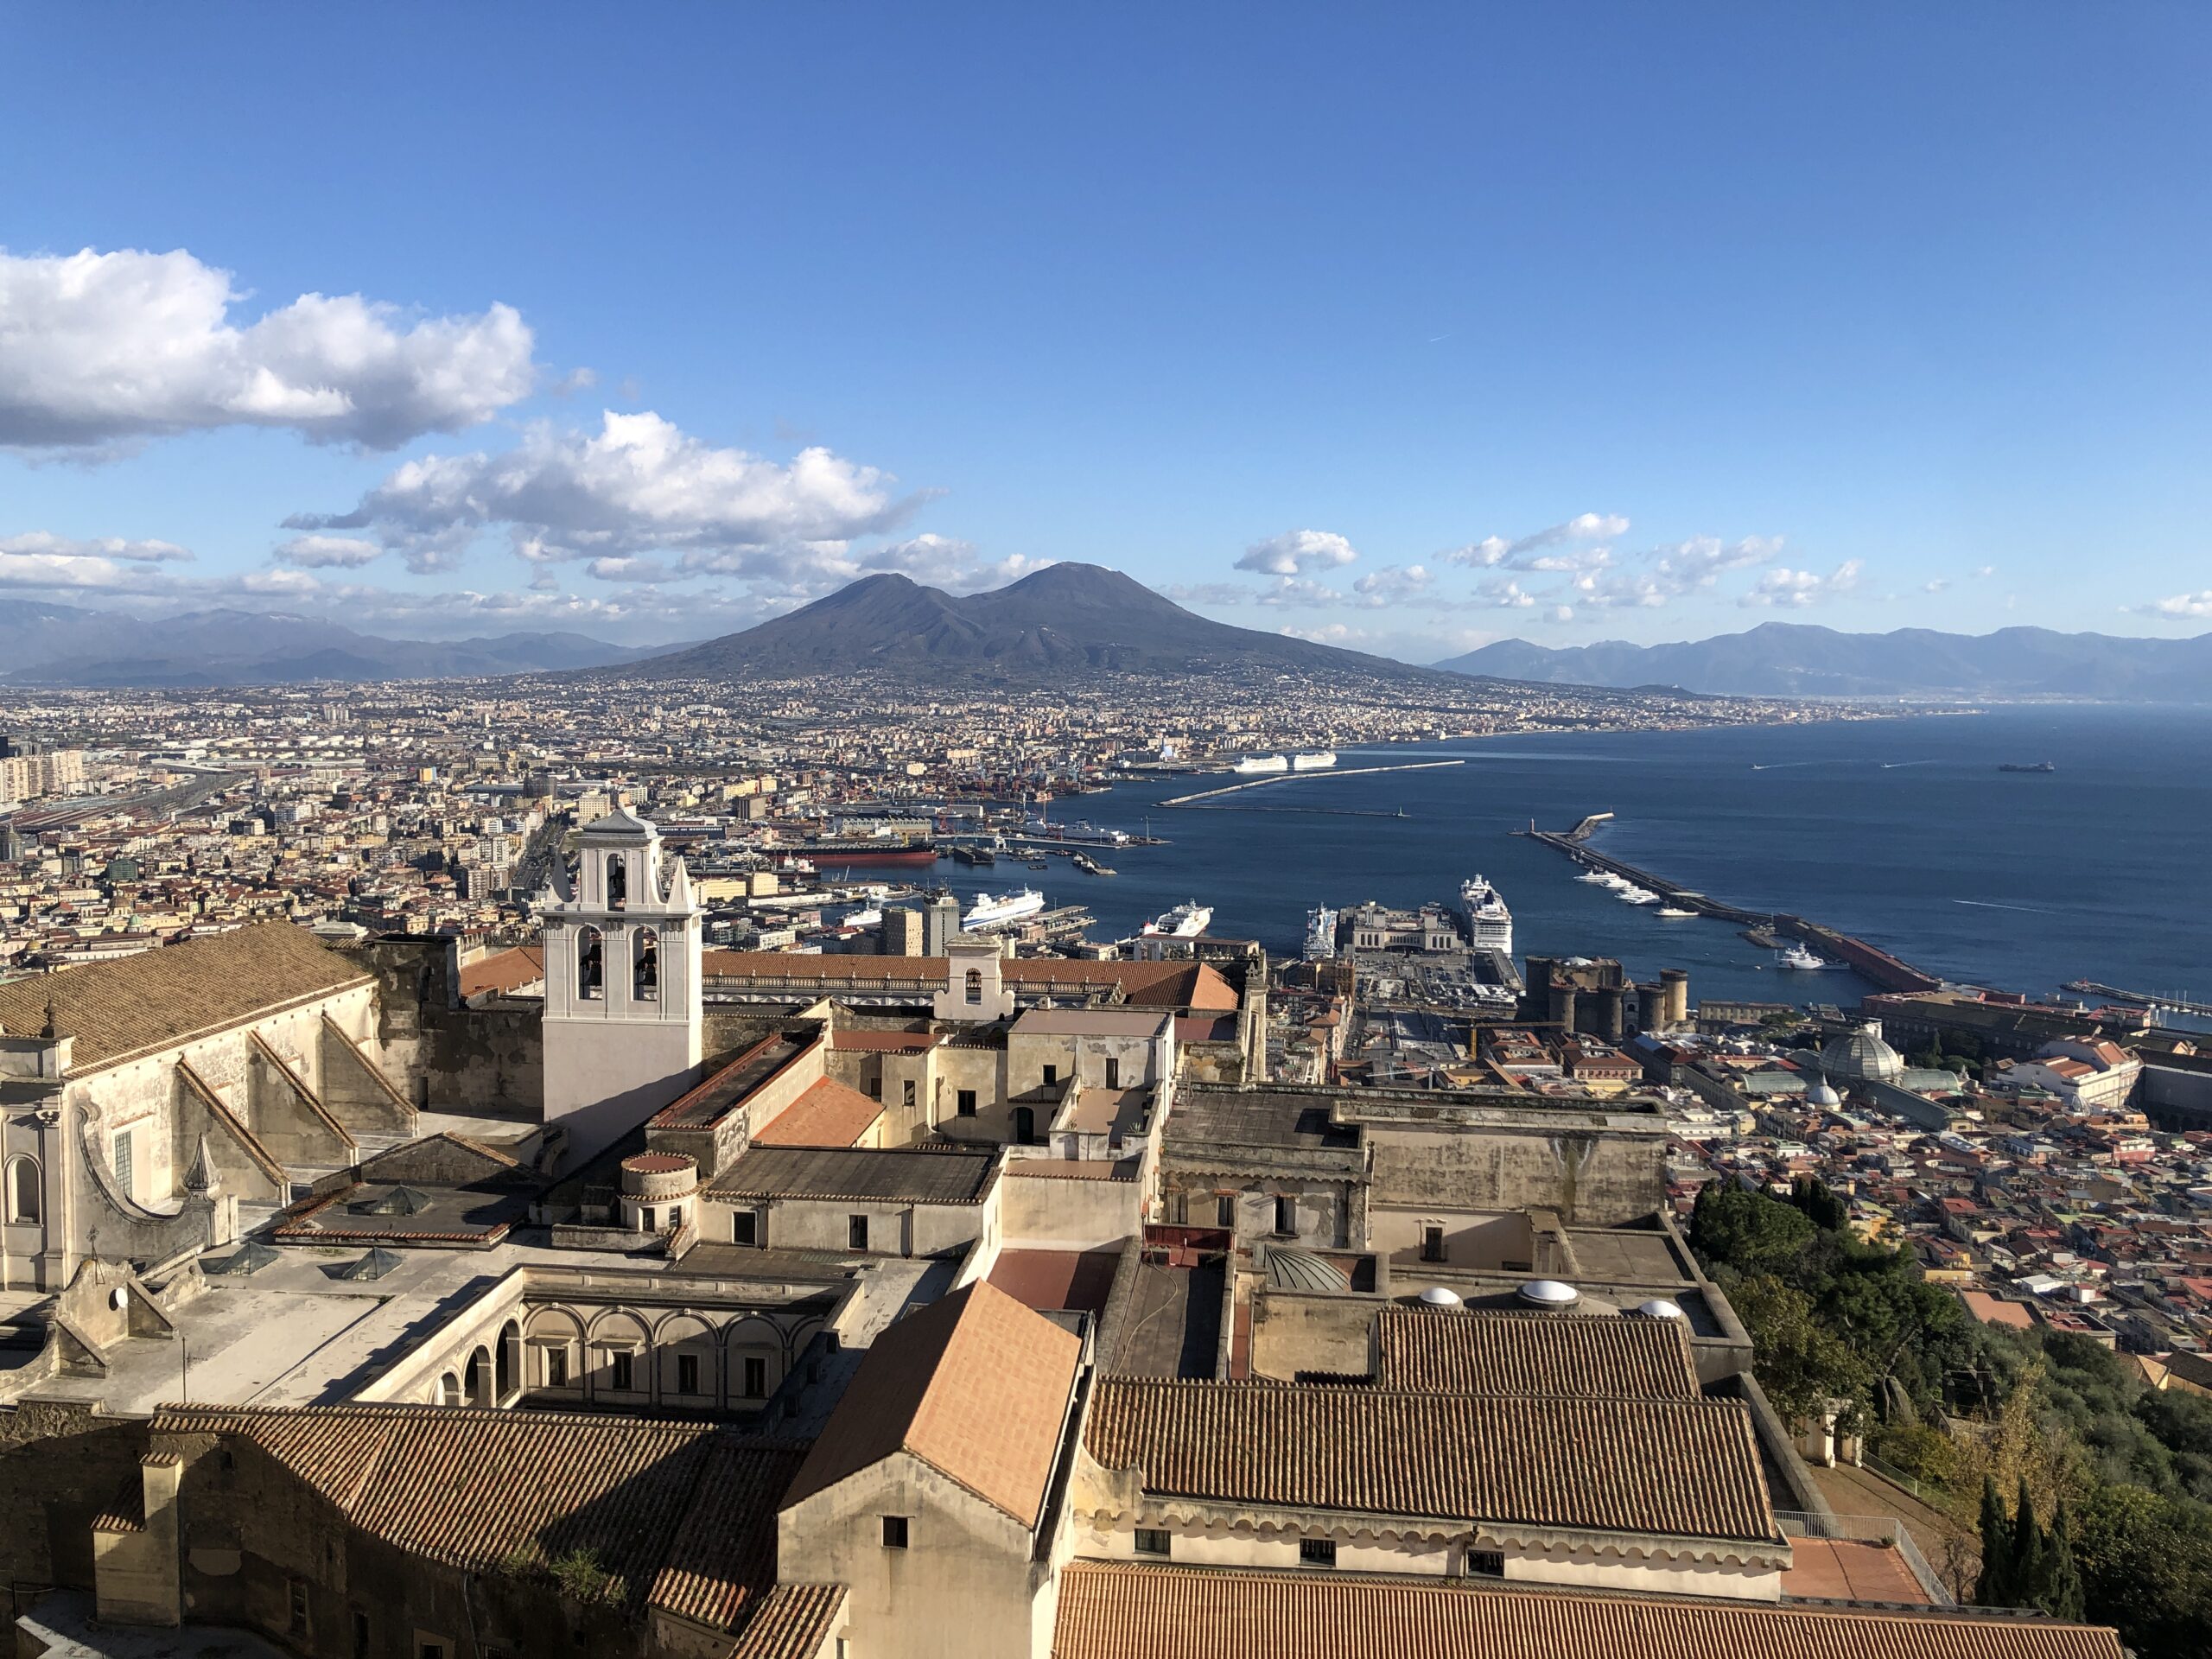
x: 1571, y: 327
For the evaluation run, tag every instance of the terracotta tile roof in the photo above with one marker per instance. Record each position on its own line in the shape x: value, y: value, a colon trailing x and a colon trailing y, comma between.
x: 157, y: 999
x: 863, y: 1174
x: 1168, y: 1612
x: 504, y: 970
x: 1431, y: 1350
x: 1685, y: 1467
x: 974, y: 1385
x: 677, y: 1510
x: 794, y: 1623
x: 828, y: 1115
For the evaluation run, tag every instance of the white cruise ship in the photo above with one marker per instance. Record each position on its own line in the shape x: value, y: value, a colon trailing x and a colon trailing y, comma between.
x: 1263, y: 763
x: 1316, y: 761
x: 989, y: 910
x: 1489, y: 923
x: 1187, y: 921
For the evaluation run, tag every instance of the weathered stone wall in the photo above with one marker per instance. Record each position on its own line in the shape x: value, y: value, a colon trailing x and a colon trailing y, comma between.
x: 60, y: 1466
x: 441, y: 1053
x: 1594, y: 1177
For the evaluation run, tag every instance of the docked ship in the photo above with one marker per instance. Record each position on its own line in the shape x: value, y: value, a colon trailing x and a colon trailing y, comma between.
x: 1798, y: 957
x: 1261, y: 763
x: 1320, y: 931
x: 1489, y: 923
x: 1187, y: 921
x: 835, y: 853
x: 1314, y: 761
x: 990, y: 910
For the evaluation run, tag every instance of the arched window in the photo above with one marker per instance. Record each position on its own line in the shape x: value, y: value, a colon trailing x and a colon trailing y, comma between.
x: 645, y: 965
x: 508, y: 1370
x: 975, y: 985
x: 591, y: 977
x: 477, y: 1379
x: 618, y: 881
x: 448, y: 1389
x: 24, y: 1197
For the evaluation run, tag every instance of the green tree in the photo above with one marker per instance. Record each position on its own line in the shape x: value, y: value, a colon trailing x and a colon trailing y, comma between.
x: 2028, y: 1563
x: 1800, y: 1364
x: 2062, y: 1580
x: 1736, y: 1227
x: 1995, y: 1588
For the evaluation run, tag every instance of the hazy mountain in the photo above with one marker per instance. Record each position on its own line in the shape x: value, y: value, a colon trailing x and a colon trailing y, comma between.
x: 1792, y: 660
x: 63, y: 644
x: 1065, y: 619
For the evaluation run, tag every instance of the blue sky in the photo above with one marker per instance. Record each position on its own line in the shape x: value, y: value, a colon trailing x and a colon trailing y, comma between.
x: 1409, y: 328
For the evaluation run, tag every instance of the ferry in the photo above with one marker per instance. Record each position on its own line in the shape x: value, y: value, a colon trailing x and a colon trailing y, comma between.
x: 1315, y: 760
x: 989, y: 910
x: 1674, y: 912
x: 1187, y: 921
x: 1261, y: 763
x: 1489, y: 923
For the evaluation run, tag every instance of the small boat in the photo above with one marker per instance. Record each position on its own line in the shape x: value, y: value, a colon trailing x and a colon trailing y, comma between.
x: 1674, y: 912
x: 1600, y: 876
x: 1630, y: 894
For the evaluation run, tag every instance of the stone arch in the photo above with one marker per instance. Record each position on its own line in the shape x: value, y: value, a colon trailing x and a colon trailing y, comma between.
x: 621, y: 1354
x: 448, y: 1389
x: 591, y: 964
x: 644, y: 964
x: 507, y: 1363
x: 556, y: 1337
x: 686, y: 1337
x: 618, y: 881
x: 25, y: 1197
x: 973, y: 986
x: 478, y: 1380
x: 757, y: 1359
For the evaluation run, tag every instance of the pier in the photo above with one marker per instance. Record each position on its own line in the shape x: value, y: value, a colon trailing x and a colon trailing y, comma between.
x: 2150, y: 1000
x: 1293, y: 777
x: 1869, y: 961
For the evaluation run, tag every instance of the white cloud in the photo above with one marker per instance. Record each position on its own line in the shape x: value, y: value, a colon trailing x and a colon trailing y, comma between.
x: 1209, y: 593
x: 1506, y: 594
x: 1799, y: 589
x: 1935, y: 585
x: 629, y: 567
x: 2181, y: 605
x: 328, y: 552
x: 1529, y: 552
x: 1297, y: 553
x: 42, y: 544
x: 1985, y: 571
x: 99, y: 349
x: 1299, y: 591
x: 1562, y: 612
x: 1393, y: 585
x: 639, y: 485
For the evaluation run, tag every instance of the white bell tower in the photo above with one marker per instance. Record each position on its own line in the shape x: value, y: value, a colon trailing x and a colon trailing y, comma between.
x: 624, y: 1017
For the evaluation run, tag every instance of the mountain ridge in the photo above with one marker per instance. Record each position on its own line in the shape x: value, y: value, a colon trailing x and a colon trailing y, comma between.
x: 1802, y: 659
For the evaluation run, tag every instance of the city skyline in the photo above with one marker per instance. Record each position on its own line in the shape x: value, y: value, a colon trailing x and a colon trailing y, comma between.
x: 1494, y: 326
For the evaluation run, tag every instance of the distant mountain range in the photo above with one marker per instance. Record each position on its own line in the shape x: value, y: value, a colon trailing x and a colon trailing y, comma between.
x: 63, y: 644
x: 1792, y: 660
x: 1064, y: 619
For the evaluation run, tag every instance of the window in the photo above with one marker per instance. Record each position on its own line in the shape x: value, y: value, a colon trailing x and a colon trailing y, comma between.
x: 556, y: 1368
x: 645, y: 1219
x: 975, y: 985
x: 1432, y: 1243
x: 856, y: 1232
x: 645, y: 965
x: 875, y: 1088
x: 617, y: 882
x: 361, y: 1634
x: 1317, y: 1552
x: 675, y: 1216
x: 122, y: 1162
x: 1153, y: 1541
x: 624, y: 1365
x: 432, y: 1647
x: 590, y: 964
x: 1485, y: 1563
x: 907, y: 1093
x: 756, y: 1379
x: 894, y: 1532
x: 1051, y: 1075
x: 1224, y: 1210
x: 1113, y: 1073
x: 964, y: 1100
x: 1287, y: 1216
x: 24, y: 1195
x: 299, y: 1606
x: 687, y: 1373
x: 745, y: 1228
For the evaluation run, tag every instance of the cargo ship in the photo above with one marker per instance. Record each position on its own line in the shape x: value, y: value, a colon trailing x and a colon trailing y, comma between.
x: 990, y: 910
x: 833, y: 854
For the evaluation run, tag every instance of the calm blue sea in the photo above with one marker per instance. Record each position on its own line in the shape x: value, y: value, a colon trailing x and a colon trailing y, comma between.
x: 1901, y: 832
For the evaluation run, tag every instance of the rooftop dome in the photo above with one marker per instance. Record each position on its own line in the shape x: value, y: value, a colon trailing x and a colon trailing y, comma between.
x: 1861, y: 1056
x: 1659, y: 1308
x: 1822, y: 1094
x: 1549, y: 1292
x: 1436, y: 1296
x: 1292, y: 1270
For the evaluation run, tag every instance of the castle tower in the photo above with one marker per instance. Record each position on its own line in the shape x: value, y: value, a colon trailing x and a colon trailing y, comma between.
x: 624, y: 1015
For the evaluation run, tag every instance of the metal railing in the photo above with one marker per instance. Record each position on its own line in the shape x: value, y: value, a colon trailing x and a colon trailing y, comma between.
x: 1884, y: 1529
